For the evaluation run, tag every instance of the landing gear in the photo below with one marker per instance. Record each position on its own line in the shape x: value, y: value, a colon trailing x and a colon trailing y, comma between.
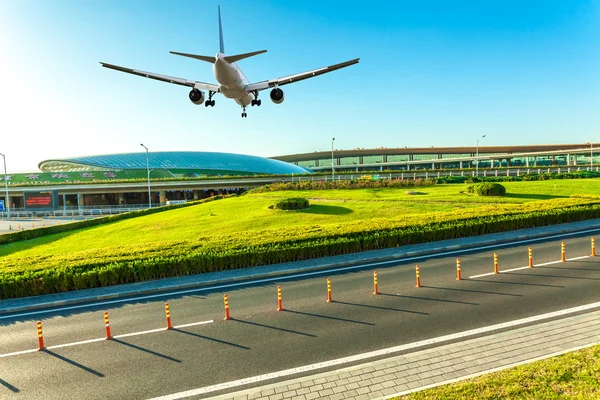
x: 210, y: 101
x: 244, y: 115
x: 256, y: 101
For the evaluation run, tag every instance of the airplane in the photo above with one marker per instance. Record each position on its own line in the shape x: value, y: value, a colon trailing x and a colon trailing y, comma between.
x: 232, y: 82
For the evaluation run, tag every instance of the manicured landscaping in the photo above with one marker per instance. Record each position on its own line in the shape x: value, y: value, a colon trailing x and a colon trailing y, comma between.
x: 243, y: 231
x: 573, y: 375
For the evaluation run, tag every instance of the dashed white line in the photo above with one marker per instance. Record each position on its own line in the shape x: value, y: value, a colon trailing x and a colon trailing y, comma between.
x: 377, y: 353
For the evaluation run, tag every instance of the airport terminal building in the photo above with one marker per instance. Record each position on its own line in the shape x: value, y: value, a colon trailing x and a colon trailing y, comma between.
x: 141, y: 179
x: 434, y: 158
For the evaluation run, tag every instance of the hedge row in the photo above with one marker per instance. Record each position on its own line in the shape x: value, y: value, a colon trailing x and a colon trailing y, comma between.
x: 419, y: 182
x: 50, y: 230
x: 203, y: 260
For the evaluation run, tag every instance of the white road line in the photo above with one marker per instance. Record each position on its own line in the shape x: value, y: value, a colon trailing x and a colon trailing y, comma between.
x: 577, y: 258
x: 58, y: 346
x: 193, y: 324
x: 534, y: 265
x: 400, y: 259
x: 489, y: 371
x: 500, y: 272
x: 17, y: 353
x: 140, y: 333
x: 377, y: 353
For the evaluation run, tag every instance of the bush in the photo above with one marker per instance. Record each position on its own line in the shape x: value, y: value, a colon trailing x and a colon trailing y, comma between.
x: 489, y: 189
x: 294, y: 203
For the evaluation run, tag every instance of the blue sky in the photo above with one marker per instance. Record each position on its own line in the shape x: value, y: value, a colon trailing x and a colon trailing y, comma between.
x: 432, y: 73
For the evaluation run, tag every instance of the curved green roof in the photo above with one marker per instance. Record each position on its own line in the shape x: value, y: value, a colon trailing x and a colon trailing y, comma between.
x: 209, y: 163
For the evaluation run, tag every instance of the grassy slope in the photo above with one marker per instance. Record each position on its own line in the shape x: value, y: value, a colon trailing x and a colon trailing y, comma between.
x: 573, y: 375
x: 250, y: 213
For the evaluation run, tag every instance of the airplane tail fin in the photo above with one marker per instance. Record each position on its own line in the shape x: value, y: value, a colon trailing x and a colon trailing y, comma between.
x: 212, y: 59
x: 221, y: 45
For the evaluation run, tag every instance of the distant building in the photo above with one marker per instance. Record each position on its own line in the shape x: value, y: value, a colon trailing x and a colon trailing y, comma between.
x: 407, y: 158
x: 175, y: 163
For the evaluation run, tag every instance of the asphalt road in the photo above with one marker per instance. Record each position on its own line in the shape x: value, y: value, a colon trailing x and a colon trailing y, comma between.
x: 260, y: 339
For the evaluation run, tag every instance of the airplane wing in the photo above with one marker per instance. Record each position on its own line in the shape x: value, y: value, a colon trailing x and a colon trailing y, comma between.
x: 298, y: 77
x: 164, y: 78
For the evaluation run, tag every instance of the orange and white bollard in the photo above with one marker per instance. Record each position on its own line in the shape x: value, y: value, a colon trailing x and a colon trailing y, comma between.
x: 226, y: 302
x: 495, y: 263
x: 418, y: 277
x: 107, y: 326
x: 19, y: 226
x: 168, y: 315
x: 530, y: 258
x: 329, y: 300
x: 279, y: 300
x: 375, y: 283
x: 43, y: 224
x: 593, y: 247
x: 32, y: 225
x: 562, y: 251
x: 458, y: 269
x: 40, y: 336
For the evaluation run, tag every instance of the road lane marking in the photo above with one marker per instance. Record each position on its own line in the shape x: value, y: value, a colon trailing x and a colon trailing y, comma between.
x: 193, y: 324
x: 140, y: 333
x: 124, y: 335
x: 17, y: 353
x: 535, y: 265
x: 399, y: 260
x: 372, y: 354
x: 58, y: 346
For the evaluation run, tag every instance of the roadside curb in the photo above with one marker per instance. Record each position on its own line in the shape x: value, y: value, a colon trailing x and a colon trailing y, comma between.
x: 270, y: 271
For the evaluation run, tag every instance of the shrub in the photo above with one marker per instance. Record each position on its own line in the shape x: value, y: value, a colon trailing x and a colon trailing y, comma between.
x: 489, y: 189
x: 294, y: 203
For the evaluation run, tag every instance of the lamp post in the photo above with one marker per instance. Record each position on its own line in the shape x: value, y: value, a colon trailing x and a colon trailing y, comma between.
x: 332, y: 165
x: 591, y: 152
x: 148, y: 168
x: 6, y: 201
x: 477, y: 157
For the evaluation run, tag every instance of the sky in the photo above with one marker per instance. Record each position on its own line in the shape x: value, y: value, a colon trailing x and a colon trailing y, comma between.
x: 431, y: 73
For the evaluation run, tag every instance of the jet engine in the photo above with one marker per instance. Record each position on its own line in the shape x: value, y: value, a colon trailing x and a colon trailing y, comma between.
x: 277, y: 96
x: 197, y: 96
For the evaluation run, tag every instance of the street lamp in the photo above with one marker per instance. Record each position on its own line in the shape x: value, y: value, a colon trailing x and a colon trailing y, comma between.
x: 332, y: 165
x: 477, y: 157
x: 591, y: 152
x: 148, y: 168
x: 6, y: 202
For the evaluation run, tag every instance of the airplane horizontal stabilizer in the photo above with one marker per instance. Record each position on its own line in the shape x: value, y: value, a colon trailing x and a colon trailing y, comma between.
x: 210, y: 59
x: 238, y: 57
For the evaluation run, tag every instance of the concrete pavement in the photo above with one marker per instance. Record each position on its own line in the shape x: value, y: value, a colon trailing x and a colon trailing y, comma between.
x: 403, y: 374
x: 214, y: 278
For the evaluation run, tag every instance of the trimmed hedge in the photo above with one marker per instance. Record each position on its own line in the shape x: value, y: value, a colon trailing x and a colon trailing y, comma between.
x: 293, y: 203
x: 207, y: 259
x: 487, y: 189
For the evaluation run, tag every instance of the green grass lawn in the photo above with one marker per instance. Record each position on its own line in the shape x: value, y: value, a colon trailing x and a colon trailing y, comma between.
x: 247, y: 219
x: 573, y: 375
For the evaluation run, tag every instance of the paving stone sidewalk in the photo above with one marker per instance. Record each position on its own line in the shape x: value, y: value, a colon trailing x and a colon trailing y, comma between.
x: 406, y: 373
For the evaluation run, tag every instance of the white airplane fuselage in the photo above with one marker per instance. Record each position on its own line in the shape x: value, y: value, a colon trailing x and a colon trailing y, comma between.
x: 232, y: 81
